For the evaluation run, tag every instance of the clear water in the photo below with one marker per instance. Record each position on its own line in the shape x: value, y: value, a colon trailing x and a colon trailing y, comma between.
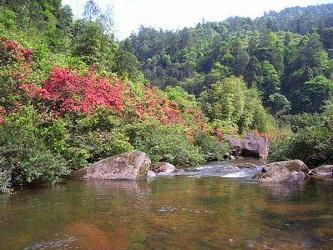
x: 195, y: 209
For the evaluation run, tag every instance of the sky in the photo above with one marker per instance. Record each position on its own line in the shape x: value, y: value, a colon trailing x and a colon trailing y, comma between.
x: 129, y: 15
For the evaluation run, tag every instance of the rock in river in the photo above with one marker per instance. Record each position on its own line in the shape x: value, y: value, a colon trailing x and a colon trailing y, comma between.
x: 326, y: 170
x: 128, y: 166
x: 284, y: 171
x: 322, y: 172
x: 151, y: 174
x: 163, y: 168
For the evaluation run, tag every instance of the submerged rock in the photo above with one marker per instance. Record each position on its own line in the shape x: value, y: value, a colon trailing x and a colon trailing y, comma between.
x: 128, y: 166
x: 283, y: 172
x: 163, y: 168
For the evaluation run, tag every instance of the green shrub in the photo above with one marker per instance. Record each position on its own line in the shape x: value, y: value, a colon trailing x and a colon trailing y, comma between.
x: 5, y: 177
x: 313, y: 145
x: 98, y: 145
x: 25, y: 153
x: 301, y: 121
x: 166, y: 143
x: 212, y: 149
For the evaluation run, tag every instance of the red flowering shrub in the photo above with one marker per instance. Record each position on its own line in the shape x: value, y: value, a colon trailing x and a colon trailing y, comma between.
x: 66, y: 91
x: 157, y: 107
x: 11, y: 51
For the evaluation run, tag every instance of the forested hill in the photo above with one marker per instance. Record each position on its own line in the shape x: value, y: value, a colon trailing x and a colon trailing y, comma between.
x: 287, y: 55
x: 71, y: 94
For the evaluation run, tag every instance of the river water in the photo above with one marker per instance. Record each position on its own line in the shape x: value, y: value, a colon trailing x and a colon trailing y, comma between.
x: 216, y: 206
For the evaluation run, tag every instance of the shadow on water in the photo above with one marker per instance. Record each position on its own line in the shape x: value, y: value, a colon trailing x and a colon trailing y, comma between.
x: 175, y: 212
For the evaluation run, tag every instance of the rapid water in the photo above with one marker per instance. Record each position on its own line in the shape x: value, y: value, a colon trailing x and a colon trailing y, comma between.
x: 216, y: 206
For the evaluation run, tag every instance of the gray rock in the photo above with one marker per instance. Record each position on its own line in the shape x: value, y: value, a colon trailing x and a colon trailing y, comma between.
x: 326, y: 170
x: 250, y: 146
x: 283, y: 172
x: 292, y: 165
x: 235, y: 144
x: 163, y: 168
x: 255, y: 146
x: 128, y: 166
x: 322, y: 173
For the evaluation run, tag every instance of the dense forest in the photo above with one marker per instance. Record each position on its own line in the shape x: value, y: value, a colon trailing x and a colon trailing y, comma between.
x: 71, y: 94
x: 285, y: 55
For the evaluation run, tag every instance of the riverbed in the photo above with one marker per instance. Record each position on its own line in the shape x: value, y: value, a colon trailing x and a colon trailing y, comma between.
x: 217, y: 206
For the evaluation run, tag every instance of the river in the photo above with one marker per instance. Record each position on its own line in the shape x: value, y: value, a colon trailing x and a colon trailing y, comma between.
x: 216, y: 206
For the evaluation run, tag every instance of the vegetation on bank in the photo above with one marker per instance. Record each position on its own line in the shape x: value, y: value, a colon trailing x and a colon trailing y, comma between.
x: 71, y: 94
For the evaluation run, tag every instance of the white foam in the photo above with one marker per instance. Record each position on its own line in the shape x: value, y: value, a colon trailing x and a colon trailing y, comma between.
x: 236, y: 175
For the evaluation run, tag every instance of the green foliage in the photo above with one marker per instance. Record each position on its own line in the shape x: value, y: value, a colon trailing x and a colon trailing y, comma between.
x: 226, y: 100
x: 270, y: 83
x: 314, y: 93
x: 312, y: 142
x: 92, y: 45
x: 262, y: 51
x: 328, y: 114
x: 298, y: 122
x: 166, y: 143
x: 212, y: 149
x: 26, y: 151
x: 233, y: 102
x: 278, y: 104
x: 7, y: 19
x: 99, y: 145
x: 313, y: 145
x: 5, y: 177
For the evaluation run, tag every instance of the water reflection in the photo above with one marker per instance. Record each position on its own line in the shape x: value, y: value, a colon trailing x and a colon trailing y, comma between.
x: 168, y: 213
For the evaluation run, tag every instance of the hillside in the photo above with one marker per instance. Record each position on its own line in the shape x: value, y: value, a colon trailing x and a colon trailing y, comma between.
x: 71, y: 94
x: 278, y: 53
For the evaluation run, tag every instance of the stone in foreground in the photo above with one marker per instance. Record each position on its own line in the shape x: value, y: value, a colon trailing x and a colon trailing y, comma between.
x: 128, y: 166
x: 283, y: 172
x: 163, y: 168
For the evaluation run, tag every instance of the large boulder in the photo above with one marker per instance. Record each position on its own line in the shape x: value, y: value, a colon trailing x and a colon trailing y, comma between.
x: 250, y: 146
x: 128, y: 166
x: 283, y: 172
x: 292, y: 165
x: 163, y: 168
x: 235, y: 144
x: 255, y: 146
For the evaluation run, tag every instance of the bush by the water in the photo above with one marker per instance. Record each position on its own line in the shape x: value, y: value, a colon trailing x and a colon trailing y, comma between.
x: 28, y: 152
x: 312, y: 144
x: 212, y: 148
x: 167, y: 143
